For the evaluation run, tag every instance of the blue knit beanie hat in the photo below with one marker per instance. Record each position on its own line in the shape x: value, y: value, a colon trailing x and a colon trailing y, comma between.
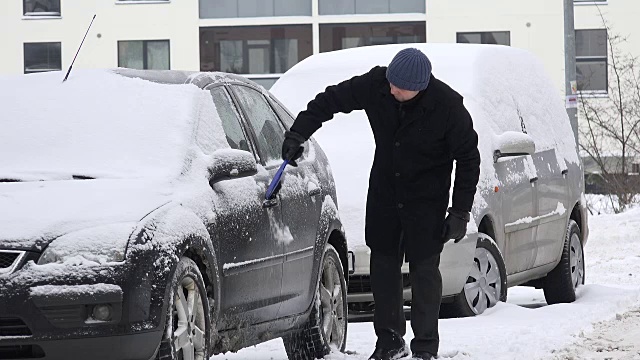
x: 410, y: 69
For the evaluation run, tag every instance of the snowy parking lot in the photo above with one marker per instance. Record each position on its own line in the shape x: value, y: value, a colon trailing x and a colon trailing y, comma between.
x: 604, y: 322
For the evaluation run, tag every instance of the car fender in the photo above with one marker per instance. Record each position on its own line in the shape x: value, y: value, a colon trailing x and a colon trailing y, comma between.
x: 328, y: 223
x: 161, y: 239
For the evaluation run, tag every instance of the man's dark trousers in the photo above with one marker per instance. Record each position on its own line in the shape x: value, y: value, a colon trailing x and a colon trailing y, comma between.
x: 426, y: 285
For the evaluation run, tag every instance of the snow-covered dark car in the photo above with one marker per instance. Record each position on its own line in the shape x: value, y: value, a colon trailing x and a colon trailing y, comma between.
x: 134, y: 223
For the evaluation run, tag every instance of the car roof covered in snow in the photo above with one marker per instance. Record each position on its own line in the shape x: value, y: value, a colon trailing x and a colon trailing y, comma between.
x: 178, y: 77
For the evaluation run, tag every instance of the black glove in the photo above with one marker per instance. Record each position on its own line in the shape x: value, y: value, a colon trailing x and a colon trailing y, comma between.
x: 455, y: 225
x: 291, y: 147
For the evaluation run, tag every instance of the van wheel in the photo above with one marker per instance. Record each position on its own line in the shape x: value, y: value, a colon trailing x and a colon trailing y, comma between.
x: 187, y: 328
x: 326, y: 328
x: 486, y: 284
x: 561, y: 283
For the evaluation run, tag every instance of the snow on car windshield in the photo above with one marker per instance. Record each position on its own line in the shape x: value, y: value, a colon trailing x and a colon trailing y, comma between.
x: 95, y: 125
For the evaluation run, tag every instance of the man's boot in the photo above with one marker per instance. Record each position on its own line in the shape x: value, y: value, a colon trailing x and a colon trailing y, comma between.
x: 390, y: 354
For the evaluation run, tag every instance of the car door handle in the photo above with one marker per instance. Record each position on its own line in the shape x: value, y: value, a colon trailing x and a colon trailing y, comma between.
x: 532, y: 180
x: 315, y: 191
x: 270, y: 203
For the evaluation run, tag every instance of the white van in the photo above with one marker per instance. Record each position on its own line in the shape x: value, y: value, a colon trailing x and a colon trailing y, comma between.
x: 529, y: 220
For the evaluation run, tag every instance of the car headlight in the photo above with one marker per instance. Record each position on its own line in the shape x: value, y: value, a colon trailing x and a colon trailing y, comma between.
x: 91, y: 246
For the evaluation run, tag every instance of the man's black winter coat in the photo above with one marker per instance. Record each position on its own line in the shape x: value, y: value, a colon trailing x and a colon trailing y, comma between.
x: 416, y: 143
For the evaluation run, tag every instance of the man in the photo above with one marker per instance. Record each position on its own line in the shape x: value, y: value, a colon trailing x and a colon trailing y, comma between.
x: 420, y: 126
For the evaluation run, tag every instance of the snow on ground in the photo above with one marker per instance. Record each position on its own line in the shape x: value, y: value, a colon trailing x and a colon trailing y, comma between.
x: 603, y: 323
x: 613, y: 339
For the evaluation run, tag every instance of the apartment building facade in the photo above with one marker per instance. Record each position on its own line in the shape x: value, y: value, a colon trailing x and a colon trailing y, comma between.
x: 264, y: 38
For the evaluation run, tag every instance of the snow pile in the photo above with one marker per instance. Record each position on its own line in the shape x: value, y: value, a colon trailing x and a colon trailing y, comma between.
x: 613, y: 251
x: 497, y: 101
x: 618, y: 338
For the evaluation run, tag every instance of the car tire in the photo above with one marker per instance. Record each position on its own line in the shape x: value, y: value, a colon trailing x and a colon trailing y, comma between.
x: 560, y: 284
x: 326, y: 328
x: 486, y: 284
x: 186, y: 331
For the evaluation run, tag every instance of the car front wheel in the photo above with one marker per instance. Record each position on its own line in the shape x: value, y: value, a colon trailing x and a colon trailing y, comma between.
x: 486, y: 284
x: 326, y: 328
x: 187, y: 326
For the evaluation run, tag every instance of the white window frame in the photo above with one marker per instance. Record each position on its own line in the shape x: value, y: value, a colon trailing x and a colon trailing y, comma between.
x: 41, y: 14
x: 590, y: 2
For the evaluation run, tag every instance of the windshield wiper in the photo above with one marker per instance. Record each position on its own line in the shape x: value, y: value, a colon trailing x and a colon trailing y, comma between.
x: 82, y: 177
x: 15, y: 180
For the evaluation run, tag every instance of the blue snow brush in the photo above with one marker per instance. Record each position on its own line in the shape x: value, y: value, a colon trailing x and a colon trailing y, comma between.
x: 276, y: 180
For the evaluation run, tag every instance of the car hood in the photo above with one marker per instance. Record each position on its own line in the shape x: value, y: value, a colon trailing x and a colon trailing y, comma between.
x: 32, y: 214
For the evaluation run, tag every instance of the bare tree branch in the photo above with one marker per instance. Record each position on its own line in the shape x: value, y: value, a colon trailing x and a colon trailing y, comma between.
x: 610, y: 132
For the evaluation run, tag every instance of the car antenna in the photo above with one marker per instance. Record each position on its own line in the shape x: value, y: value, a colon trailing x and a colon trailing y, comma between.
x: 74, y: 58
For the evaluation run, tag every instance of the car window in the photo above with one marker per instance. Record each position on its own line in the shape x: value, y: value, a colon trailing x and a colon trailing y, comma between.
x: 230, y: 119
x: 288, y: 120
x: 265, y: 124
x: 284, y: 115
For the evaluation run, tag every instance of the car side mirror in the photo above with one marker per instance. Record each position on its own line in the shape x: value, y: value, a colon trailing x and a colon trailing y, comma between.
x: 231, y: 163
x: 513, y: 143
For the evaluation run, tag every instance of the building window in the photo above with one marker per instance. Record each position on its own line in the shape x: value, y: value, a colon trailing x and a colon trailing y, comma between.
x: 40, y: 57
x: 144, y: 54
x: 344, y: 36
x: 351, y: 7
x: 41, y: 7
x: 212, y: 9
x: 254, y: 49
x: 489, y: 37
x: 591, y: 60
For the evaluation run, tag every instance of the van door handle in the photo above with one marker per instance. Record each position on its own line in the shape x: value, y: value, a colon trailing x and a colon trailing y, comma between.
x: 532, y: 180
x: 565, y: 171
x: 270, y: 203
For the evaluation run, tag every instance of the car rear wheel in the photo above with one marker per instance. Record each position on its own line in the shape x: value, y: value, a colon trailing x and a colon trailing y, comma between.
x: 486, y: 284
x: 561, y: 283
x: 326, y: 328
x: 187, y: 327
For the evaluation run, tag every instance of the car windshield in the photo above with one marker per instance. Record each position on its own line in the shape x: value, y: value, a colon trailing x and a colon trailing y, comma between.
x: 95, y: 125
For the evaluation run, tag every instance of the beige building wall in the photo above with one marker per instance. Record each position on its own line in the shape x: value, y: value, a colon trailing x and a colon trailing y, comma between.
x: 622, y: 16
x: 533, y: 25
x: 176, y: 21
